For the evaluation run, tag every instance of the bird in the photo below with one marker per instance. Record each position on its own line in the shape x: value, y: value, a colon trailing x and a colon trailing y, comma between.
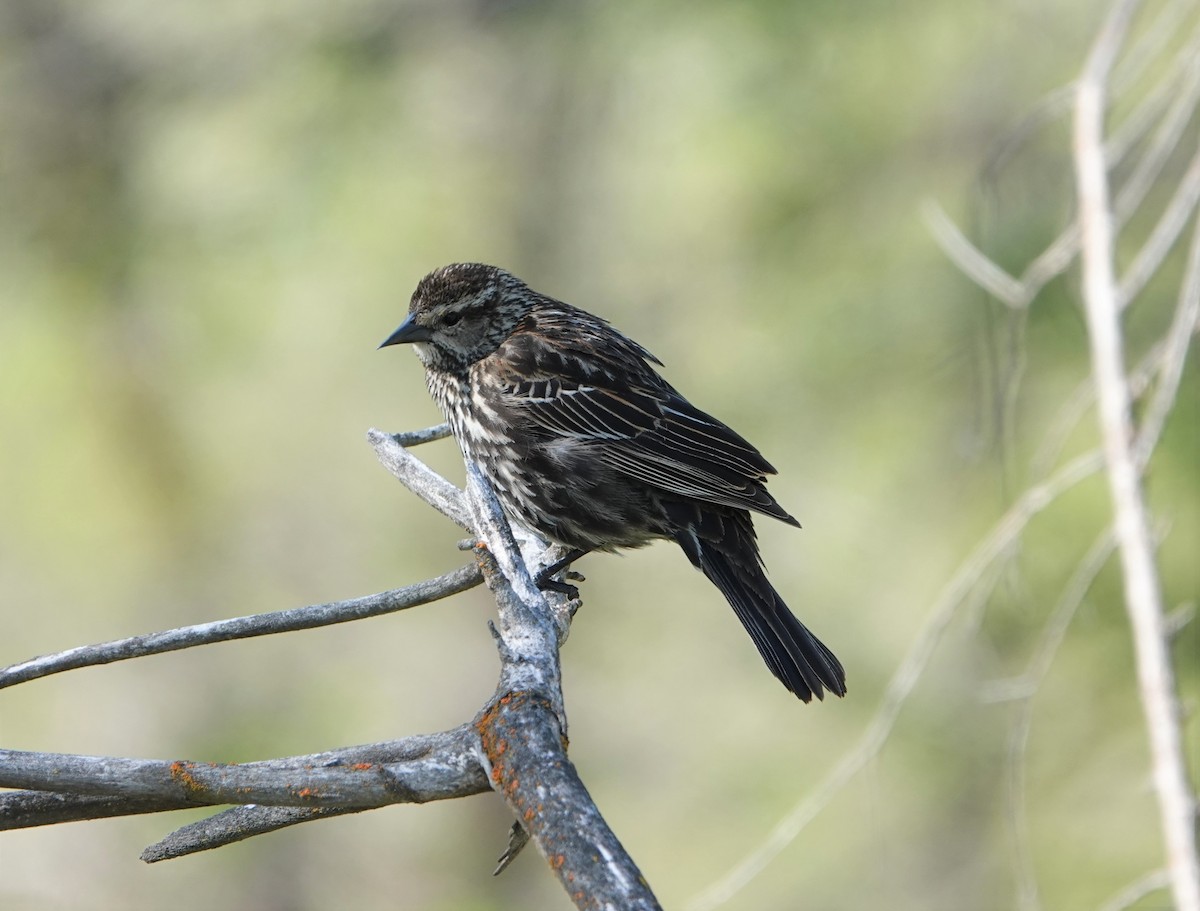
x: 586, y: 444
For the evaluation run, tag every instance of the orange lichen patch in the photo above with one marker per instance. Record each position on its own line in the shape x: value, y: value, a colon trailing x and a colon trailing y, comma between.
x: 493, y: 745
x: 557, y: 861
x: 362, y: 766
x: 529, y: 814
x: 182, y: 772
x: 308, y: 792
x: 487, y: 720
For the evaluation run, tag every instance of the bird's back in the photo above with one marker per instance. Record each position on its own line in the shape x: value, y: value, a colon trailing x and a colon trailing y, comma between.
x: 574, y: 420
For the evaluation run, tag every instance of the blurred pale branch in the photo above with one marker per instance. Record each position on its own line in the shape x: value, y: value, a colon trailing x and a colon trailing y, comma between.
x: 1164, y: 236
x: 1182, y: 86
x: 1184, y: 325
x: 1143, y: 587
x: 515, y: 746
x: 1076, y: 405
x: 1171, y: 106
x: 1154, y: 881
x: 1024, y: 689
x: 958, y: 592
x: 1147, y: 50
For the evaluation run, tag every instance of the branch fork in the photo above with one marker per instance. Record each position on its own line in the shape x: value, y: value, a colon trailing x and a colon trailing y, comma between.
x: 516, y: 745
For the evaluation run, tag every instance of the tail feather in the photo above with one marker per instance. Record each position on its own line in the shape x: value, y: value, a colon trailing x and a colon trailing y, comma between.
x: 730, y: 561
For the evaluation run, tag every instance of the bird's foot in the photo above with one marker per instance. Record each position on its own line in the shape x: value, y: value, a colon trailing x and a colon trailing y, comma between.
x: 543, y: 581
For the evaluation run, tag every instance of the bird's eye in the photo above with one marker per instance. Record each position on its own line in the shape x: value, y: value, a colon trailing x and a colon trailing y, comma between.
x: 451, y: 319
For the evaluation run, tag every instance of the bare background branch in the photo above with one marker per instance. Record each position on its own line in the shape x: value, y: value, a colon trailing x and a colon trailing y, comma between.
x: 1126, y: 453
x: 1143, y: 587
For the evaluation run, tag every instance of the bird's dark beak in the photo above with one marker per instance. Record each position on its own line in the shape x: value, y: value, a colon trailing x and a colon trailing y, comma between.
x: 407, y: 332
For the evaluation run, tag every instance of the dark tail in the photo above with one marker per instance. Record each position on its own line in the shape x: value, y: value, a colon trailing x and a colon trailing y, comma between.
x: 724, y: 549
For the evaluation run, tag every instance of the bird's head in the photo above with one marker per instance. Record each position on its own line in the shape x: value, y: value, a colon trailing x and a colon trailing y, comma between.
x: 461, y: 313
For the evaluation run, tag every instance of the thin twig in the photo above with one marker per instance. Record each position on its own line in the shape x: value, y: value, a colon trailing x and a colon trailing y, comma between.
x: 1057, y: 103
x: 419, y: 477
x: 267, y: 624
x: 1081, y: 399
x: 1137, y: 124
x: 1166, y: 232
x: 1178, y: 339
x: 1143, y: 596
x: 1137, y: 890
x: 426, y: 435
x: 1055, y: 259
x: 973, y: 263
x: 1164, y: 141
x: 1146, y: 47
x: 1180, y: 86
x: 234, y: 825
x: 1039, y: 666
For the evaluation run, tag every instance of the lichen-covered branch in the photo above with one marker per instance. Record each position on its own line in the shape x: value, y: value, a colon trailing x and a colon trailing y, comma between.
x: 416, y: 770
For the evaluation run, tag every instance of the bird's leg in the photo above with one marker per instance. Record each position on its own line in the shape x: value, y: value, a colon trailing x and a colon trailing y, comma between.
x: 544, y: 581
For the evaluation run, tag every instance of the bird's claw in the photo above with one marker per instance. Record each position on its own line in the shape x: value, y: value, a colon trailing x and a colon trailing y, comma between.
x: 545, y: 583
x: 553, y: 585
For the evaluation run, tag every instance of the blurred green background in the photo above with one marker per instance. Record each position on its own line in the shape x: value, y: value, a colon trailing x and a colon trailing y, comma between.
x: 211, y: 214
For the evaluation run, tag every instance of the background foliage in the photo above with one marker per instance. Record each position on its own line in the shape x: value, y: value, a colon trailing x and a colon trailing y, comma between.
x: 211, y: 213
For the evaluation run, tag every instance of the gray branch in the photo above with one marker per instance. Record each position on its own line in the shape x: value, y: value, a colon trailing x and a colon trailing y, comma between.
x: 417, y: 476
x: 414, y: 770
x: 1135, y: 547
x: 516, y: 745
x: 523, y: 732
x: 284, y: 621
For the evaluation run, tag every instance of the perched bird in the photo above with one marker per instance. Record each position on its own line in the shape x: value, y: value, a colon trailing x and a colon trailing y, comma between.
x: 585, y: 444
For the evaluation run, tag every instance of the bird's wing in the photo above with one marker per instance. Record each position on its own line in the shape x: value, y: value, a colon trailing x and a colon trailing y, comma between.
x: 645, y: 429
